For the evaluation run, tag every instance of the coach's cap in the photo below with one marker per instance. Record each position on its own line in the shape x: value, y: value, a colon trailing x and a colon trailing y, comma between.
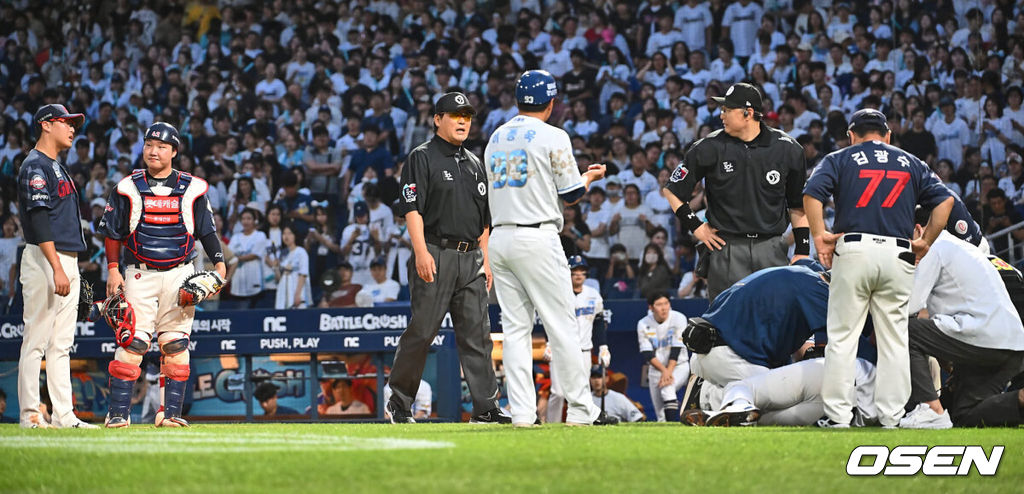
x: 868, y: 119
x: 56, y: 111
x: 454, y: 103
x: 741, y: 95
x: 265, y: 391
x: 379, y: 261
x: 360, y: 209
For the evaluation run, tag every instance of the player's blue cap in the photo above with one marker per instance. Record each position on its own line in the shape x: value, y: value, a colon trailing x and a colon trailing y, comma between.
x: 868, y: 119
x: 379, y: 261
x: 810, y: 263
x: 360, y: 208
x: 536, y: 87
x: 577, y: 262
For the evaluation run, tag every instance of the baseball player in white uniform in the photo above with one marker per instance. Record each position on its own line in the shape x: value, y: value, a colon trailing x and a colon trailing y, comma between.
x: 156, y: 215
x: 422, y: 404
x: 661, y: 343
x: 531, y: 171
x: 591, y: 324
x: 791, y: 395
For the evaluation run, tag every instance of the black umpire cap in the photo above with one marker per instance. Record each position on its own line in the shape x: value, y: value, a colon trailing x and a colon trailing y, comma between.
x: 454, y: 103
x: 868, y: 119
x: 55, y: 111
x: 741, y: 95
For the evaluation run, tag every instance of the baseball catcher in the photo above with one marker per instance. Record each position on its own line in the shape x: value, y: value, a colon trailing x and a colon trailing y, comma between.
x: 154, y: 219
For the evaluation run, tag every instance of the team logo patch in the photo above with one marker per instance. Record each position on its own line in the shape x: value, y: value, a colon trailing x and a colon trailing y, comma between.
x: 731, y: 88
x: 138, y: 275
x: 679, y: 173
x: 481, y: 188
x: 460, y: 99
x: 447, y: 175
x: 773, y: 177
x: 37, y: 182
x: 409, y: 192
x: 961, y: 227
x: 727, y: 166
x: 108, y: 208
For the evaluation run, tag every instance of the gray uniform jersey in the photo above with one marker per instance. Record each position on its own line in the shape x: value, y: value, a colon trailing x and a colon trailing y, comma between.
x: 529, y: 163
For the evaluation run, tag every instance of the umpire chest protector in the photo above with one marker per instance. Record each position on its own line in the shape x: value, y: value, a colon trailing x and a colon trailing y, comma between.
x: 161, y: 221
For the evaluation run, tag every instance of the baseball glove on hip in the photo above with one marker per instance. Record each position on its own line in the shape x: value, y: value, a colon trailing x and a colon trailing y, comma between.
x: 199, y: 287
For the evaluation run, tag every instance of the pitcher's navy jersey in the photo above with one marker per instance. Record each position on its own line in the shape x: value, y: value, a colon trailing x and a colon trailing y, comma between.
x: 768, y: 315
x: 875, y: 187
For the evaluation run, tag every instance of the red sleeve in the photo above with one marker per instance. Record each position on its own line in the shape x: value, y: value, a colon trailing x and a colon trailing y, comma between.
x: 113, y: 250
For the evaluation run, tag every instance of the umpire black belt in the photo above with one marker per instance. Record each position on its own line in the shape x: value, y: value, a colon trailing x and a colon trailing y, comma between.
x: 451, y: 243
x: 752, y: 236
x: 857, y: 237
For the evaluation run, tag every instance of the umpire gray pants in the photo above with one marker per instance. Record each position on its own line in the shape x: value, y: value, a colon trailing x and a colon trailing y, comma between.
x: 740, y: 257
x: 459, y: 287
x: 979, y: 379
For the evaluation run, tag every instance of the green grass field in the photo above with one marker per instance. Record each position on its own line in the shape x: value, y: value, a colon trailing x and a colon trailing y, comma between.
x: 317, y: 458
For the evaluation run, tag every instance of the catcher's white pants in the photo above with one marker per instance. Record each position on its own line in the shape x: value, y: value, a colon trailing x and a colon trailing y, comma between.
x: 868, y: 276
x: 718, y: 368
x: 791, y: 395
x: 680, y: 376
x: 50, y: 330
x: 555, y: 401
x: 531, y: 273
x: 154, y: 297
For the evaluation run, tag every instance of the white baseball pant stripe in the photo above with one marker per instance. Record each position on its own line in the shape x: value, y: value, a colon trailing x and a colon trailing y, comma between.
x: 868, y: 276
x: 680, y: 376
x: 530, y: 272
x: 719, y: 367
x: 50, y: 322
x: 154, y: 297
x: 555, y: 400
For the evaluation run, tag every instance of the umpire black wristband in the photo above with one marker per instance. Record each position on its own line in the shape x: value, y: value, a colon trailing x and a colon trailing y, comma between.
x: 802, y: 241
x: 688, y: 217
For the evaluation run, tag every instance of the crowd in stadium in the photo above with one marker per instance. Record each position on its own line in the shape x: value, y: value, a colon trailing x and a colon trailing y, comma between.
x: 300, y: 113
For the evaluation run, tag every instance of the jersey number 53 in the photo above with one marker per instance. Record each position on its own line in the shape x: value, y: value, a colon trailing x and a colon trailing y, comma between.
x: 509, y: 168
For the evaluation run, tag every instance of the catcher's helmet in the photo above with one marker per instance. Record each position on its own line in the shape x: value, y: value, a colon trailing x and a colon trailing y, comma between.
x: 536, y: 87
x: 577, y: 262
x: 164, y: 132
x: 120, y: 316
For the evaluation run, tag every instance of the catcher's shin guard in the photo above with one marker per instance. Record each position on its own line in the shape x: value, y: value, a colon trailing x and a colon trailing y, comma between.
x: 122, y: 383
x: 173, y: 386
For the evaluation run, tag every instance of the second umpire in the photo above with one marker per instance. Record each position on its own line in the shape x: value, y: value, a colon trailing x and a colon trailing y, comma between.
x: 753, y: 176
x: 444, y: 201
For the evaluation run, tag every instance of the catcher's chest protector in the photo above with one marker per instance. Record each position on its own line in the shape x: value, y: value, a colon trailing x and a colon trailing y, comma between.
x: 161, y: 225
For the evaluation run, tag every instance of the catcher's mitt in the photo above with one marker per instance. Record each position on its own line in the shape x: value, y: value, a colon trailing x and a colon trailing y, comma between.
x: 120, y: 316
x: 85, y: 299
x: 199, y: 287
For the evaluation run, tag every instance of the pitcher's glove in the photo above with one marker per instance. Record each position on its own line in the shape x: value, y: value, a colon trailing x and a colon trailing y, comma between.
x: 199, y: 287
x: 85, y: 299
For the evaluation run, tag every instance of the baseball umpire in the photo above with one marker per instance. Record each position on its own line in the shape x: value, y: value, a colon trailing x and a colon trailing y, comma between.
x: 875, y: 187
x: 157, y: 214
x: 48, y: 209
x: 753, y: 177
x: 444, y: 201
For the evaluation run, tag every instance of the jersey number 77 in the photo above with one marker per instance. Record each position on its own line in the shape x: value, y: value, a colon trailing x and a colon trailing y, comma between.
x: 876, y: 177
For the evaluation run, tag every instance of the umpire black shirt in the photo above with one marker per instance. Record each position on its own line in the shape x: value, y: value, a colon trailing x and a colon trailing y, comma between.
x: 750, y: 186
x: 448, y: 186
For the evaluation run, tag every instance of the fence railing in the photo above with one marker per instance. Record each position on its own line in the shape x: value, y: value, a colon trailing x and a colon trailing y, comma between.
x: 1011, y: 252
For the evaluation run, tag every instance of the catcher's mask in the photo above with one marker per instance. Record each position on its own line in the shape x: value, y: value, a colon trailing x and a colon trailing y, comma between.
x: 121, y: 317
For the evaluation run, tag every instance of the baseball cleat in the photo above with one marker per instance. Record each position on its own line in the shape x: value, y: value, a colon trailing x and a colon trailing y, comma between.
x: 80, y: 424
x: 492, y: 417
x: 602, y: 419
x: 396, y: 415
x: 735, y: 415
x: 36, y: 421
x: 827, y: 423
x: 174, y: 422
x: 695, y: 417
x: 117, y: 422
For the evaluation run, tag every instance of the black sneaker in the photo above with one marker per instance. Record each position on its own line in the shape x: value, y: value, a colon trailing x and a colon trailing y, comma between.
x: 492, y: 417
x: 397, y: 415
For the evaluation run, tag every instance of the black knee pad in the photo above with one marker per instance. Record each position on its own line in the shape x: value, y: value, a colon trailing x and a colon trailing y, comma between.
x: 174, y: 347
x: 138, y: 346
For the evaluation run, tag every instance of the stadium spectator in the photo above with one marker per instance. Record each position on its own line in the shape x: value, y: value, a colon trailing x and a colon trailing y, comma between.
x: 249, y: 245
x: 292, y: 271
x: 655, y: 275
x: 381, y: 289
x: 344, y: 292
x: 266, y: 396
